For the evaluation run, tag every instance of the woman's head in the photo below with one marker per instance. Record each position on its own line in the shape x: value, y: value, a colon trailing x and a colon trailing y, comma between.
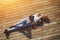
x: 45, y: 18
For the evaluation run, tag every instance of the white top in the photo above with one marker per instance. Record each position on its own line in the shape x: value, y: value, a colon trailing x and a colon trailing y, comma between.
x: 36, y: 18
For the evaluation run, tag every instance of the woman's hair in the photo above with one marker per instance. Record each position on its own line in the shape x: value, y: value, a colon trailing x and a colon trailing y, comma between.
x: 31, y: 18
x: 45, y: 19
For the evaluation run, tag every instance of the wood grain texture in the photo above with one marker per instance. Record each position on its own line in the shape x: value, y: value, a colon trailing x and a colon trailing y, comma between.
x: 11, y: 13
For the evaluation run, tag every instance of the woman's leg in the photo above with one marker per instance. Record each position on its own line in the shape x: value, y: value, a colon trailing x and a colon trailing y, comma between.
x: 8, y: 31
x: 15, y: 27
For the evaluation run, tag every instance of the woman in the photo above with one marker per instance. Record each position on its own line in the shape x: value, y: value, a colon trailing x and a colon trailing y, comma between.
x: 26, y: 22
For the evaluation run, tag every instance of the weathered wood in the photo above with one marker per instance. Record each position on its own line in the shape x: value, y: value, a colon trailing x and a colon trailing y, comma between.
x: 14, y: 12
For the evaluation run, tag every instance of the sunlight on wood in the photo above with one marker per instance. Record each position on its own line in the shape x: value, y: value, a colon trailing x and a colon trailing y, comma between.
x: 7, y: 1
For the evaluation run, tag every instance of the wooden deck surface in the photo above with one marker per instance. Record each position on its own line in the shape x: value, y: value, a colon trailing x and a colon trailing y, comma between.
x: 13, y: 12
